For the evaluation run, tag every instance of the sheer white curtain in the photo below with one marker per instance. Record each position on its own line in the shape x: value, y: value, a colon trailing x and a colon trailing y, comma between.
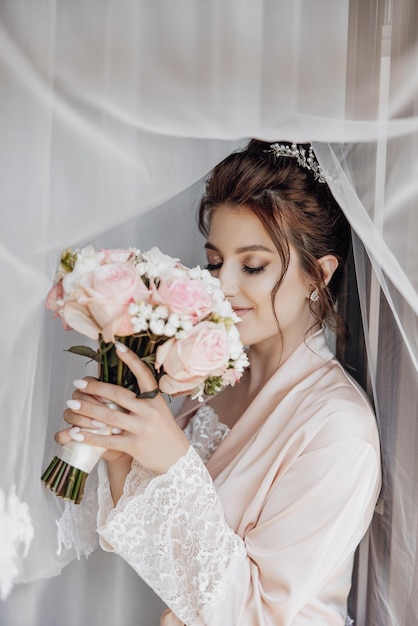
x: 112, y: 112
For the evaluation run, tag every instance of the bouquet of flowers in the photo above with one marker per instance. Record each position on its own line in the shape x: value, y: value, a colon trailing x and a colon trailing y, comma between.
x: 175, y: 318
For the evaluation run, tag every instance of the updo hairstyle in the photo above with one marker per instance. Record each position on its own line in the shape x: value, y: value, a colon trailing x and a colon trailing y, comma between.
x: 294, y: 208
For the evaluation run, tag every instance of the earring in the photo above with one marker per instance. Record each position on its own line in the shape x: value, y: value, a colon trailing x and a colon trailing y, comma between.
x: 314, y: 297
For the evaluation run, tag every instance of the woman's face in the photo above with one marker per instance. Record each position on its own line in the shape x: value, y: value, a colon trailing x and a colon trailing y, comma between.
x: 242, y: 255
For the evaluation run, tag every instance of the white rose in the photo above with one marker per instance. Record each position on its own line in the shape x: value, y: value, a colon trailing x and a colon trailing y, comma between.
x: 87, y: 261
x: 159, y: 264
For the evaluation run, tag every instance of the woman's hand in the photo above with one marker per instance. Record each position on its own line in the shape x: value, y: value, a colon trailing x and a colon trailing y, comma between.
x: 78, y: 421
x: 147, y: 429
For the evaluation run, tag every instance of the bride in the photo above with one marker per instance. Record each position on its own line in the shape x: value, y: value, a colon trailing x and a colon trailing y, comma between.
x: 248, y: 508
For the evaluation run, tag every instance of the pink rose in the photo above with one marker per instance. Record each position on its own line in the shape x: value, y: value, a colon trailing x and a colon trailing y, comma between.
x: 73, y: 314
x: 109, y: 291
x: 54, y: 296
x: 173, y: 387
x: 54, y: 302
x: 185, y: 296
x: 77, y: 317
x: 117, y: 255
x: 188, y: 362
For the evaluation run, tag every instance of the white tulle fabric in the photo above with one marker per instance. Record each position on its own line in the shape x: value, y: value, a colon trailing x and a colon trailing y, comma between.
x: 171, y: 529
x: 111, y: 114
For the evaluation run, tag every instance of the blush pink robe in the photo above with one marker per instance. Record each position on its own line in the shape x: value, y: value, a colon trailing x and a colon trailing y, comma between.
x: 262, y: 531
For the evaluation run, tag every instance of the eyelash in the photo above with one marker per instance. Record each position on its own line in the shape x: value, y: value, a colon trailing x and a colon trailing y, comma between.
x: 252, y: 270
x: 245, y: 268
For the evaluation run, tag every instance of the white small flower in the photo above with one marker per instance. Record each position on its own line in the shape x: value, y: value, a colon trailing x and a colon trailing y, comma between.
x: 87, y: 261
x: 156, y: 326
x: 210, y: 280
x: 186, y: 323
x: 224, y: 310
x: 196, y: 273
x: 160, y: 311
x: 159, y: 264
x: 169, y: 330
x: 139, y: 323
x: 133, y: 309
x: 241, y: 362
x: 235, y: 345
x: 145, y: 310
x: 174, y: 320
x: 141, y: 266
x: 197, y: 392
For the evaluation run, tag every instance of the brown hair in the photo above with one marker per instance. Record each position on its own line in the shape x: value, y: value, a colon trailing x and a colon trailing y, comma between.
x: 295, y: 209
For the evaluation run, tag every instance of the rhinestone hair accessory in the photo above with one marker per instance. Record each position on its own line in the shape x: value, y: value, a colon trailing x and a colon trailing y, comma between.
x: 306, y: 160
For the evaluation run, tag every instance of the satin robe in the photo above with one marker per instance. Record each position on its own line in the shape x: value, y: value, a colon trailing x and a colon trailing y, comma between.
x: 298, y: 477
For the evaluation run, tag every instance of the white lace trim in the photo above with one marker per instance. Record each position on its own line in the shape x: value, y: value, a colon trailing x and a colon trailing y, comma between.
x: 16, y: 534
x: 205, y: 432
x: 172, y: 531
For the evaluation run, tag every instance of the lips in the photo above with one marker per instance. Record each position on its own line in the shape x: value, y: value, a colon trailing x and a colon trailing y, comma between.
x: 241, y: 311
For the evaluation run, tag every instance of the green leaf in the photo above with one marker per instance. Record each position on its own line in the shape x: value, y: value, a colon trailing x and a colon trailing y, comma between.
x: 85, y: 351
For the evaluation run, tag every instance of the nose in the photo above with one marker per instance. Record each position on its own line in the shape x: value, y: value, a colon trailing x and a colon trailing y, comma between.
x: 228, y: 278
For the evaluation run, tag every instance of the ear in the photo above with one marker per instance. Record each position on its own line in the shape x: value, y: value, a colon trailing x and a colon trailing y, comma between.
x: 328, y: 265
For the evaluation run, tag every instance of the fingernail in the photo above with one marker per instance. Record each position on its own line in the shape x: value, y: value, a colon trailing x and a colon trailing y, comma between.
x: 80, y: 383
x: 75, y: 434
x: 120, y: 347
x: 116, y: 431
x: 97, y: 424
x: 73, y: 404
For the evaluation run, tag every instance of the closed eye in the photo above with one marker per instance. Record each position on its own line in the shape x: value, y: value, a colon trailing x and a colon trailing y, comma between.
x: 212, y: 267
x: 252, y: 270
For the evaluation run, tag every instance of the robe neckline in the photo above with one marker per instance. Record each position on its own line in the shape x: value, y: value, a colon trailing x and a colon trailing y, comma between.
x: 304, y: 360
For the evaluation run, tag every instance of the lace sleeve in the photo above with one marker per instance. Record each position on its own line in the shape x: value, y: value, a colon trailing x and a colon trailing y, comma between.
x: 171, y: 529
x: 138, y: 477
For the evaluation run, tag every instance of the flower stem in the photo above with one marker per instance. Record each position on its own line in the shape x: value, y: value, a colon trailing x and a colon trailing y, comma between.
x: 119, y: 374
x: 70, y: 484
x: 80, y: 493
x: 47, y: 473
x: 105, y: 363
x: 65, y: 480
x: 54, y: 468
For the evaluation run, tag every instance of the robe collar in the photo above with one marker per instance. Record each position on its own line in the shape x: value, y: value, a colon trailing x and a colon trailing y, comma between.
x: 306, y: 359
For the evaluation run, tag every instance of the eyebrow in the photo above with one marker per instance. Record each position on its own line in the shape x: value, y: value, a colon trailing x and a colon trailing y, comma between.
x: 252, y: 248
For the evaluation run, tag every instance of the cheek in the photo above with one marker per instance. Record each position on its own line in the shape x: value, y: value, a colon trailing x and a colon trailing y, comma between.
x: 291, y: 299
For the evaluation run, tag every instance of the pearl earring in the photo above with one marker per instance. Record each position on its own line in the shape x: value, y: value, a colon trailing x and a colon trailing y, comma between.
x: 314, y: 297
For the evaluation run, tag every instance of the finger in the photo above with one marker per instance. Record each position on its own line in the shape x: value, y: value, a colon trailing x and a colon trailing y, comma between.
x: 80, y: 395
x: 63, y: 436
x: 120, y: 443
x: 74, y: 418
x: 106, y: 395
x: 94, y: 416
x: 147, y: 382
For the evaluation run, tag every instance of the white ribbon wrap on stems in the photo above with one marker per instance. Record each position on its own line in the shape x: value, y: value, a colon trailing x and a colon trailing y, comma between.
x: 85, y: 457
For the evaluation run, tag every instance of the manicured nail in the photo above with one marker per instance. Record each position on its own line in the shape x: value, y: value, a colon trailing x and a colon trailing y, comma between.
x: 116, y: 431
x: 74, y: 404
x: 97, y: 424
x: 80, y: 383
x: 120, y: 347
x: 75, y: 434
